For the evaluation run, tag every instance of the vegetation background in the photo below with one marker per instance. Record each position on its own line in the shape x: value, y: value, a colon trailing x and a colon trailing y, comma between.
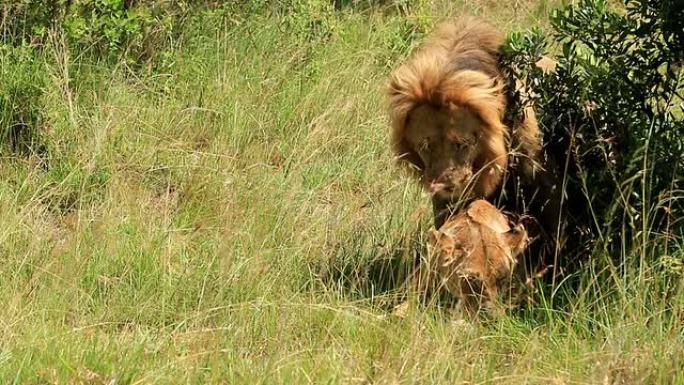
x: 203, y: 193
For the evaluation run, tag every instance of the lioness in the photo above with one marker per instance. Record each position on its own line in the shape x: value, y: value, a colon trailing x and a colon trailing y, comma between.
x: 474, y: 254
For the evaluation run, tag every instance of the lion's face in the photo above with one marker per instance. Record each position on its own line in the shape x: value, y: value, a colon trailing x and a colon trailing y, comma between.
x: 454, y: 152
x: 447, y: 144
x: 477, y: 251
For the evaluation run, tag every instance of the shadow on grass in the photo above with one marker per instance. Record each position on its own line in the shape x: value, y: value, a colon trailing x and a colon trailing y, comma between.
x: 367, y: 266
x: 20, y: 123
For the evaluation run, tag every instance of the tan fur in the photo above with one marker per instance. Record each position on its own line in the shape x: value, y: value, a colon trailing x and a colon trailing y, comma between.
x: 474, y: 255
x: 457, y: 68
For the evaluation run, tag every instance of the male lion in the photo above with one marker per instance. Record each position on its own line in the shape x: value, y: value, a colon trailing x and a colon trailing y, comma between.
x: 447, y: 107
x: 474, y: 255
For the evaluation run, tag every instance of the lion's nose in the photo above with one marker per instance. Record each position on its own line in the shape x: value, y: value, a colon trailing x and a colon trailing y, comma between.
x: 464, y: 176
x: 459, y: 175
x: 449, y: 182
x: 436, y: 187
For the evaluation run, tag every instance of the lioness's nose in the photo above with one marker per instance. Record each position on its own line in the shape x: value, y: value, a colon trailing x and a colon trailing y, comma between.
x: 478, y: 298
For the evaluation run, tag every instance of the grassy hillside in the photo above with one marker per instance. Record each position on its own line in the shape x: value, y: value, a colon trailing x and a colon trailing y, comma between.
x: 237, y: 218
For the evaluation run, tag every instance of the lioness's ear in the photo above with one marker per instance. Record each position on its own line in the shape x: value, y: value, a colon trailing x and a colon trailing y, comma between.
x: 433, y: 236
x: 443, y: 242
x: 434, y: 247
x: 517, y: 240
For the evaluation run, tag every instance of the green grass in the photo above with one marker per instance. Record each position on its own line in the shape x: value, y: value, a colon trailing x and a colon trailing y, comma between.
x: 240, y: 220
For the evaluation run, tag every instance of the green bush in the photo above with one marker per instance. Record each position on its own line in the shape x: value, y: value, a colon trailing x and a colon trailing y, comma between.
x: 20, y: 98
x: 107, y: 29
x: 28, y: 21
x: 611, y: 113
x: 140, y: 34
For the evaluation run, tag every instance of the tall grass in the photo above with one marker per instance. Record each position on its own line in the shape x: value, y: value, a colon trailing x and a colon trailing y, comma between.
x: 239, y: 219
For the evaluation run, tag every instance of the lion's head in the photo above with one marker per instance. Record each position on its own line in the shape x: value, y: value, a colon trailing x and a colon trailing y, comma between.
x: 446, y: 107
x: 475, y: 253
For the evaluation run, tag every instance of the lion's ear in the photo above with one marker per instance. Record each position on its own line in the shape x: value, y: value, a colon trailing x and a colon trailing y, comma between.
x: 412, y: 158
x: 406, y: 154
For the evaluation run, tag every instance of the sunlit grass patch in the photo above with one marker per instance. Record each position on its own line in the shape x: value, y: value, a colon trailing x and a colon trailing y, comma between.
x: 237, y: 218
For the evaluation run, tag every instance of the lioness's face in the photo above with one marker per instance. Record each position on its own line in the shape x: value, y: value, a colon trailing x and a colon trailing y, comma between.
x: 476, y: 263
x: 481, y: 282
x: 447, y: 140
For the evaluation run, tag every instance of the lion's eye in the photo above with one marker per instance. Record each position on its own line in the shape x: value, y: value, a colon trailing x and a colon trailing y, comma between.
x: 461, y: 145
x: 465, y: 142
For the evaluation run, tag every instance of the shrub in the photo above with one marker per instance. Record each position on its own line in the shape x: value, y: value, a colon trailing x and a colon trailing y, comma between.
x: 20, y: 97
x: 139, y: 33
x: 107, y: 29
x: 28, y: 21
x: 611, y: 113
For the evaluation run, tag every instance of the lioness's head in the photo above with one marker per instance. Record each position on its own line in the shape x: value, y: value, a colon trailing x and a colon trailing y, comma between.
x: 476, y: 252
